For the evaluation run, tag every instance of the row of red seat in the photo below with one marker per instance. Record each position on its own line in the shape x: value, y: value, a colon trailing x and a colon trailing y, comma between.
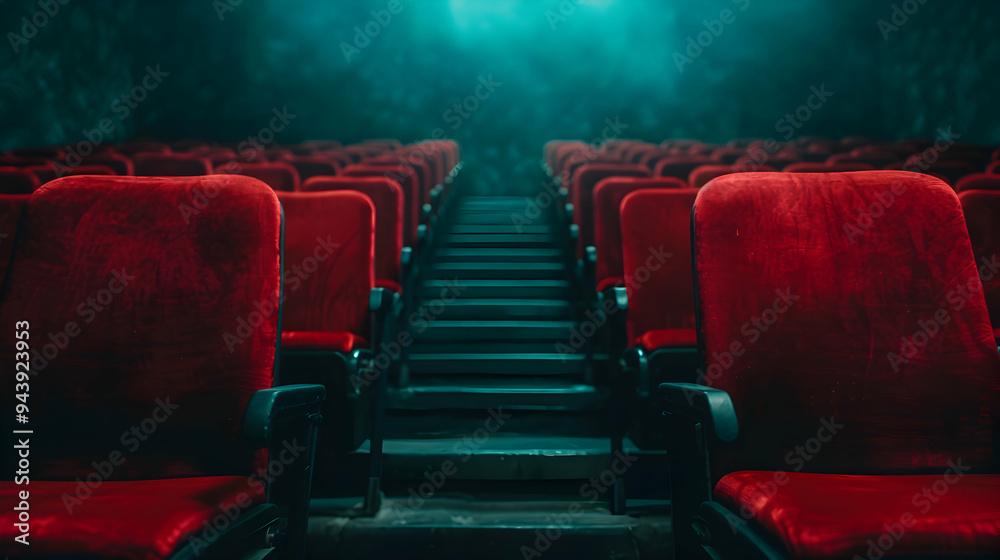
x: 698, y: 162
x: 405, y: 183
x: 97, y: 267
x: 818, y: 350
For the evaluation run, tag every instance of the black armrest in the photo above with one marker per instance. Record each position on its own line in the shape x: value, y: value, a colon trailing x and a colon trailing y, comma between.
x: 270, y: 409
x: 285, y: 420
x: 711, y: 407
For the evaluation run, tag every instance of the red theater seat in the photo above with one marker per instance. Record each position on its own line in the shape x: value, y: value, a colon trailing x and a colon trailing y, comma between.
x: 165, y: 343
x: 141, y: 147
x: 680, y: 166
x: 608, y: 196
x: 656, y: 251
x: 982, y: 217
x: 701, y: 175
x: 978, y: 181
x: 388, y: 198
x: 409, y: 181
x: 171, y: 165
x: 313, y: 166
x: 46, y: 173
x: 846, y: 338
x: 877, y: 156
x: 278, y: 175
x: 728, y: 155
x: 836, y: 167
x: 951, y: 170
x: 584, y: 181
x: 16, y: 180
x: 119, y: 163
x: 415, y: 162
x: 993, y: 168
x: 756, y: 158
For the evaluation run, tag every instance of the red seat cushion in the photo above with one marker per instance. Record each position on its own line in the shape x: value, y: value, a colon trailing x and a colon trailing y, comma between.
x: 137, y: 520
x: 668, y: 338
x: 839, y: 516
x: 321, y: 340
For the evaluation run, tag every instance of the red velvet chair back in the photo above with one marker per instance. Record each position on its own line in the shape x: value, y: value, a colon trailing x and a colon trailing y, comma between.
x: 701, y: 175
x: 171, y: 165
x: 417, y: 163
x: 982, y: 217
x: 608, y: 196
x: 278, y: 175
x: 387, y: 196
x: 121, y: 164
x: 811, y: 315
x: 655, y: 224
x: 680, y: 166
x: 978, y: 182
x: 152, y: 322
x: 584, y: 181
x: 329, y: 262
x: 313, y: 166
x: 46, y: 173
x: 408, y: 179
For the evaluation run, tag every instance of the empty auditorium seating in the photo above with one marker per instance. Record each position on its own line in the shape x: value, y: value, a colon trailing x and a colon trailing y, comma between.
x: 835, y: 167
x: 46, y: 173
x: 171, y: 165
x: 141, y: 147
x: 155, y: 336
x: 313, y: 166
x: 582, y: 192
x: 608, y: 196
x: 755, y: 158
x: 702, y: 174
x: 680, y: 166
x: 728, y: 155
x: 978, y: 181
x: 419, y: 164
x: 950, y: 170
x: 408, y: 179
x: 16, y: 180
x: 877, y: 156
x: 278, y: 175
x: 388, y: 199
x: 848, y: 339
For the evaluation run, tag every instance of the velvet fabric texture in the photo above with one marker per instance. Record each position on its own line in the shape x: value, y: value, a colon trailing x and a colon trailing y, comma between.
x: 410, y: 182
x: 152, y: 305
x: 978, y: 181
x: 608, y: 196
x: 142, y: 520
x: 329, y: 265
x: 850, y: 298
x: 171, y: 165
x: 656, y: 251
x: 16, y: 180
x: 680, y: 166
x: 387, y: 196
x: 951, y: 513
x: 278, y: 175
x: 701, y: 175
x: 582, y: 195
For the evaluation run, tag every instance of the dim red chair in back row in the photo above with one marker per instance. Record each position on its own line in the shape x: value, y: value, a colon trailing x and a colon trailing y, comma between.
x: 46, y: 173
x: 170, y: 349
x: 279, y: 175
x: 701, y: 175
x: 334, y: 319
x: 171, y: 165
x: 680, y: 166
x: 837, y: 167
x: 872, y: 352
x: 17, y: 180
x: 313, y: 166
x: 585, y: 180
x: 978, y: 182
x: 391, y: 257
x: 117, y: 162
x: 408, y: 179
x: 982, y: 218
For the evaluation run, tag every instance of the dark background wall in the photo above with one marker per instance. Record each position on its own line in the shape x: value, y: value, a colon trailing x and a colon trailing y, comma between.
x: 563, y: 68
